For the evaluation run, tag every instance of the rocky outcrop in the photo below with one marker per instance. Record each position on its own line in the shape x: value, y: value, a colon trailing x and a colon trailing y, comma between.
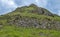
x: 31, y: 22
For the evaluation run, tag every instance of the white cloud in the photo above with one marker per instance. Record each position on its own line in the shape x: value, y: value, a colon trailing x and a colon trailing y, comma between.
x: 41, y: 3
x: 9, y: 3
x: 58, y: 12
x: 37, y: 1
x: 54, y: 6
x: 7, y: 6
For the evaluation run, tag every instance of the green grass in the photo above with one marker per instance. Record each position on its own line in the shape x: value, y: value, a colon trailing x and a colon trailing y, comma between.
x: 12, y: 31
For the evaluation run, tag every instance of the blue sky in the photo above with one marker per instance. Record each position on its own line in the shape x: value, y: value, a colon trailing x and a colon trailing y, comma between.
x: 10, y: 5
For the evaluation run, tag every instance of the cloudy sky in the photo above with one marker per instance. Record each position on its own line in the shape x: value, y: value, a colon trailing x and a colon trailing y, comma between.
x: 10, y: 5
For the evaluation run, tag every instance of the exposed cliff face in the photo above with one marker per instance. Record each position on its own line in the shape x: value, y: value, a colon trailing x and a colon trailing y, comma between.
x: 37, y: 23
x: 31, y: 16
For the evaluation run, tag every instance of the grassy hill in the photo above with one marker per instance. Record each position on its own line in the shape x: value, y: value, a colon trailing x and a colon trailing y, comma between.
x: 30, y: 21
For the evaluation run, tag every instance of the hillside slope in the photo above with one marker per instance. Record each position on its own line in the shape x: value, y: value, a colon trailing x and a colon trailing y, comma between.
x: 30, y: 17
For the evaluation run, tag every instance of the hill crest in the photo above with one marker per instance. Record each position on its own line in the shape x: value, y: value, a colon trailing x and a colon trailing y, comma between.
x: 34, y: 9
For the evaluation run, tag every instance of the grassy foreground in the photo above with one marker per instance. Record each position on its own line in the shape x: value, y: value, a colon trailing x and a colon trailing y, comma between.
x: 12, y: 31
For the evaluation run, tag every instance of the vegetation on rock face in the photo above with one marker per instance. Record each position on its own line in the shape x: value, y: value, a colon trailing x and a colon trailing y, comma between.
x: 30, y: 21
